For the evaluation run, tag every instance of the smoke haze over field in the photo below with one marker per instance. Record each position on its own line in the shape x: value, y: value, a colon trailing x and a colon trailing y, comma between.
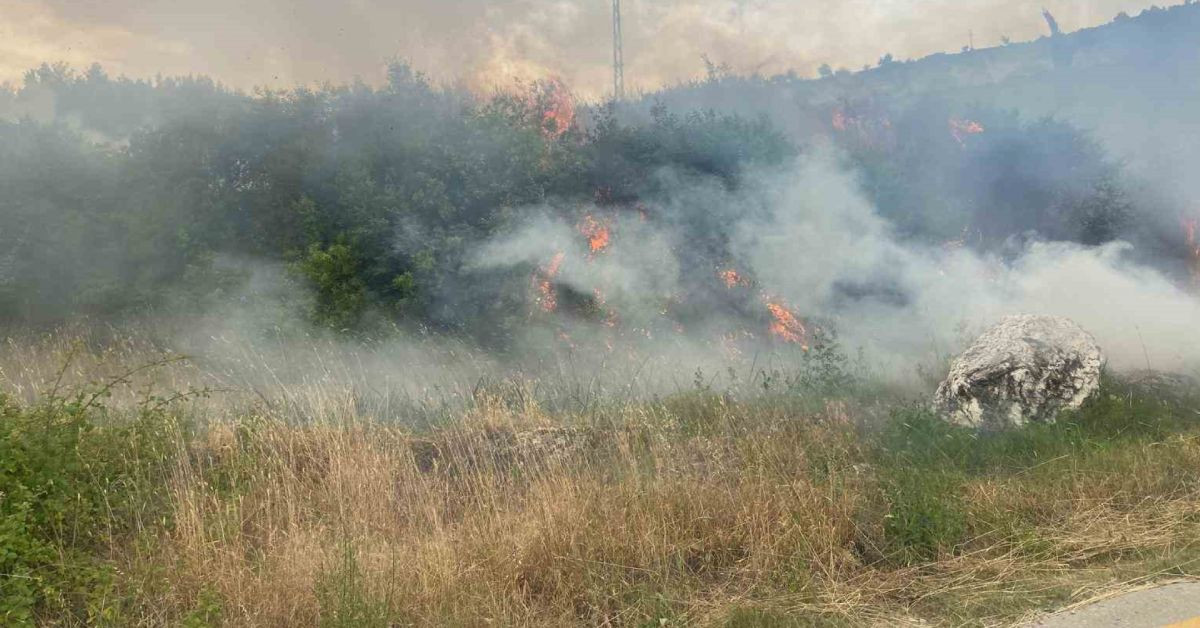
x: 901, y: 209
x: 810, y: 237
x: 488, y: 43
x: 389, y: 309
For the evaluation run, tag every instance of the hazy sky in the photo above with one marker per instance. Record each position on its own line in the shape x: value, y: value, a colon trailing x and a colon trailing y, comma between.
x: 490, y: 42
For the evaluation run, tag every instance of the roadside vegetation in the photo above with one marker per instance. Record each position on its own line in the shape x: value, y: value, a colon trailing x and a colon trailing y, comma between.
x: 391, y: 416
x: 797, y: 506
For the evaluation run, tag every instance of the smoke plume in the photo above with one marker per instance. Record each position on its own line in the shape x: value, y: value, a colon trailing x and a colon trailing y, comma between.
x: 810, y: 237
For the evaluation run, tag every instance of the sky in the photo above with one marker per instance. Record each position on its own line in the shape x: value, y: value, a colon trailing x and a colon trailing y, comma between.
x: 485, y: 44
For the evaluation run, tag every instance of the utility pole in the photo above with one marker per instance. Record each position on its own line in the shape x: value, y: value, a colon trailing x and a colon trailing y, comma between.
x: 618, y: 55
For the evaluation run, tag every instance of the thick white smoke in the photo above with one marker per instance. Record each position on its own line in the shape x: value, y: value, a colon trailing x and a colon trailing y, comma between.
x: 809, y: 236
x: 824, y: 232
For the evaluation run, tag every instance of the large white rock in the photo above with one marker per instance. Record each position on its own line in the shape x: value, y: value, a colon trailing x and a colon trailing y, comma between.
x: 1026, y: 368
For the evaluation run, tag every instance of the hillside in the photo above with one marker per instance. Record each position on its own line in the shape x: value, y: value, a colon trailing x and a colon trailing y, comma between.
x: 1131, y: 81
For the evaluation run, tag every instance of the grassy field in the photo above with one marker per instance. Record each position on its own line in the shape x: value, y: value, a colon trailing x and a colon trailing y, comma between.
x: 170, y: 496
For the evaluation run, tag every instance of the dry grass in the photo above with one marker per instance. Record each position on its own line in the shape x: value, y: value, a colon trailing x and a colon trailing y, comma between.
x: 694, y: 510
x: 625, y: 527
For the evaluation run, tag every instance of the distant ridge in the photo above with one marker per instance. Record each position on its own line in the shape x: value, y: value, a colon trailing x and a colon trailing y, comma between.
x: 1133, y: 82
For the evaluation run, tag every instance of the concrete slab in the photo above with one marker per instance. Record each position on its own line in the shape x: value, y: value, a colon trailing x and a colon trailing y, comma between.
x: 1176, y: 605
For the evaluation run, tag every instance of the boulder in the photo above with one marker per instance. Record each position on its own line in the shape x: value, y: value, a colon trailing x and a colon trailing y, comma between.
x: 1025, y: 369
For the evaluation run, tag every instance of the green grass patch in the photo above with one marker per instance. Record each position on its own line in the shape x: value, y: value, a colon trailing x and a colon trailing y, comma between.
x: 926, y: 463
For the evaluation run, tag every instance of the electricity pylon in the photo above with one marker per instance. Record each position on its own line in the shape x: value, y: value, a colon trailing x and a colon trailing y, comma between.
x: 618, y: 55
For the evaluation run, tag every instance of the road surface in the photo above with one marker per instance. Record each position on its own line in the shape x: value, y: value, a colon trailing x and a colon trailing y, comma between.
x: 1176, y: 605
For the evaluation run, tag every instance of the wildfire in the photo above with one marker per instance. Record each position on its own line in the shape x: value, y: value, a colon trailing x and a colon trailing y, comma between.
x: 598, y: 234
x: 543, y: 283
x: 783, y: 324
x: 732, y: 278
x: 786, y: 326
x: 962, y: 129
x: 558, y: 108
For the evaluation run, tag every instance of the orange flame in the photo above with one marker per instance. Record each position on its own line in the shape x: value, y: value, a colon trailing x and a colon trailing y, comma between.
x: 558, y: 108
x: 597, y: 233
x: 732, y: 278
x: 786, y: 326
x: 961, y: 129
x: 543, y: 283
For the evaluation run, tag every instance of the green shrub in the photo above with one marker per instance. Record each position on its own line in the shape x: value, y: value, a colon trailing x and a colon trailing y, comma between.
x: 341, y: 295
x: 69, y: 486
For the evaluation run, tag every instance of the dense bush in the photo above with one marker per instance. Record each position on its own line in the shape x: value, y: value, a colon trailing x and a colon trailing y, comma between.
x: 70, y: 485
x: 136, y: 194
x: 375, y: 197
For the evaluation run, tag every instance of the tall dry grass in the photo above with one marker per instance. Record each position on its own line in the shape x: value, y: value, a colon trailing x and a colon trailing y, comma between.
x: 773, y: 517
x: 693, y: 509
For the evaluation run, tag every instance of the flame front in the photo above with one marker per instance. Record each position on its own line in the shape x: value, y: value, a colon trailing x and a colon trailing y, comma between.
x: 598, y: 234
x: 786, y: 326
x: 558, y: 109
x: 732, y: 278
x: 783, y: 325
